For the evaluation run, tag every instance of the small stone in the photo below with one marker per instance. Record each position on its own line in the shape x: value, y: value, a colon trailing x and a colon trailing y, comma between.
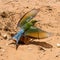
x: 5, y: 36
x: 58, y: 45
x: 3, y: 14
x: 42, y: 49
x: 58, y: 55
x: 6, y: 28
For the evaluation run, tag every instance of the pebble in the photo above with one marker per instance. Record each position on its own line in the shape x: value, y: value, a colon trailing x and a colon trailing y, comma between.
x: 4, y: 36
x: 3, y: 14
x: 58, y: 45
x: 58, y: 55
x: 41, y: 48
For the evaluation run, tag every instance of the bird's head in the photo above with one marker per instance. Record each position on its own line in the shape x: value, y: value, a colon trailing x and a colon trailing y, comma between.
x: 33, y: 22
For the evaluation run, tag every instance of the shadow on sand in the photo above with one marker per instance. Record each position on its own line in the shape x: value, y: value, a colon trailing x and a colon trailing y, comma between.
x: 43, y: 44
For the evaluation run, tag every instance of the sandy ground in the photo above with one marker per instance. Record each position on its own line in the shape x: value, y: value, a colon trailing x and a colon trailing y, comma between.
x: 48, y: 20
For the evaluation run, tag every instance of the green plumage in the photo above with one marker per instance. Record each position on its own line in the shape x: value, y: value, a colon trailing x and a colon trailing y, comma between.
x: 28, y: 29
x: 28, y: 17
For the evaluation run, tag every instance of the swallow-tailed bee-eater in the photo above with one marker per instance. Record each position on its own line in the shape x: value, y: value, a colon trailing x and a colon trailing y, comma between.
x: 28, y: 29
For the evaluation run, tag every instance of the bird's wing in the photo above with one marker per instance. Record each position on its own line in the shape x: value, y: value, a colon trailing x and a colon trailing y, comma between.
x: 27, y: 17
x: 34, y: 32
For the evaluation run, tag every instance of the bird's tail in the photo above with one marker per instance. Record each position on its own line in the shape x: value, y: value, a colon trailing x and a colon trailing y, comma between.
x: 18, y: 36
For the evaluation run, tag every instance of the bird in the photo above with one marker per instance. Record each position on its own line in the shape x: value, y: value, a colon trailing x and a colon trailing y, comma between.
x: 28, y: 28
